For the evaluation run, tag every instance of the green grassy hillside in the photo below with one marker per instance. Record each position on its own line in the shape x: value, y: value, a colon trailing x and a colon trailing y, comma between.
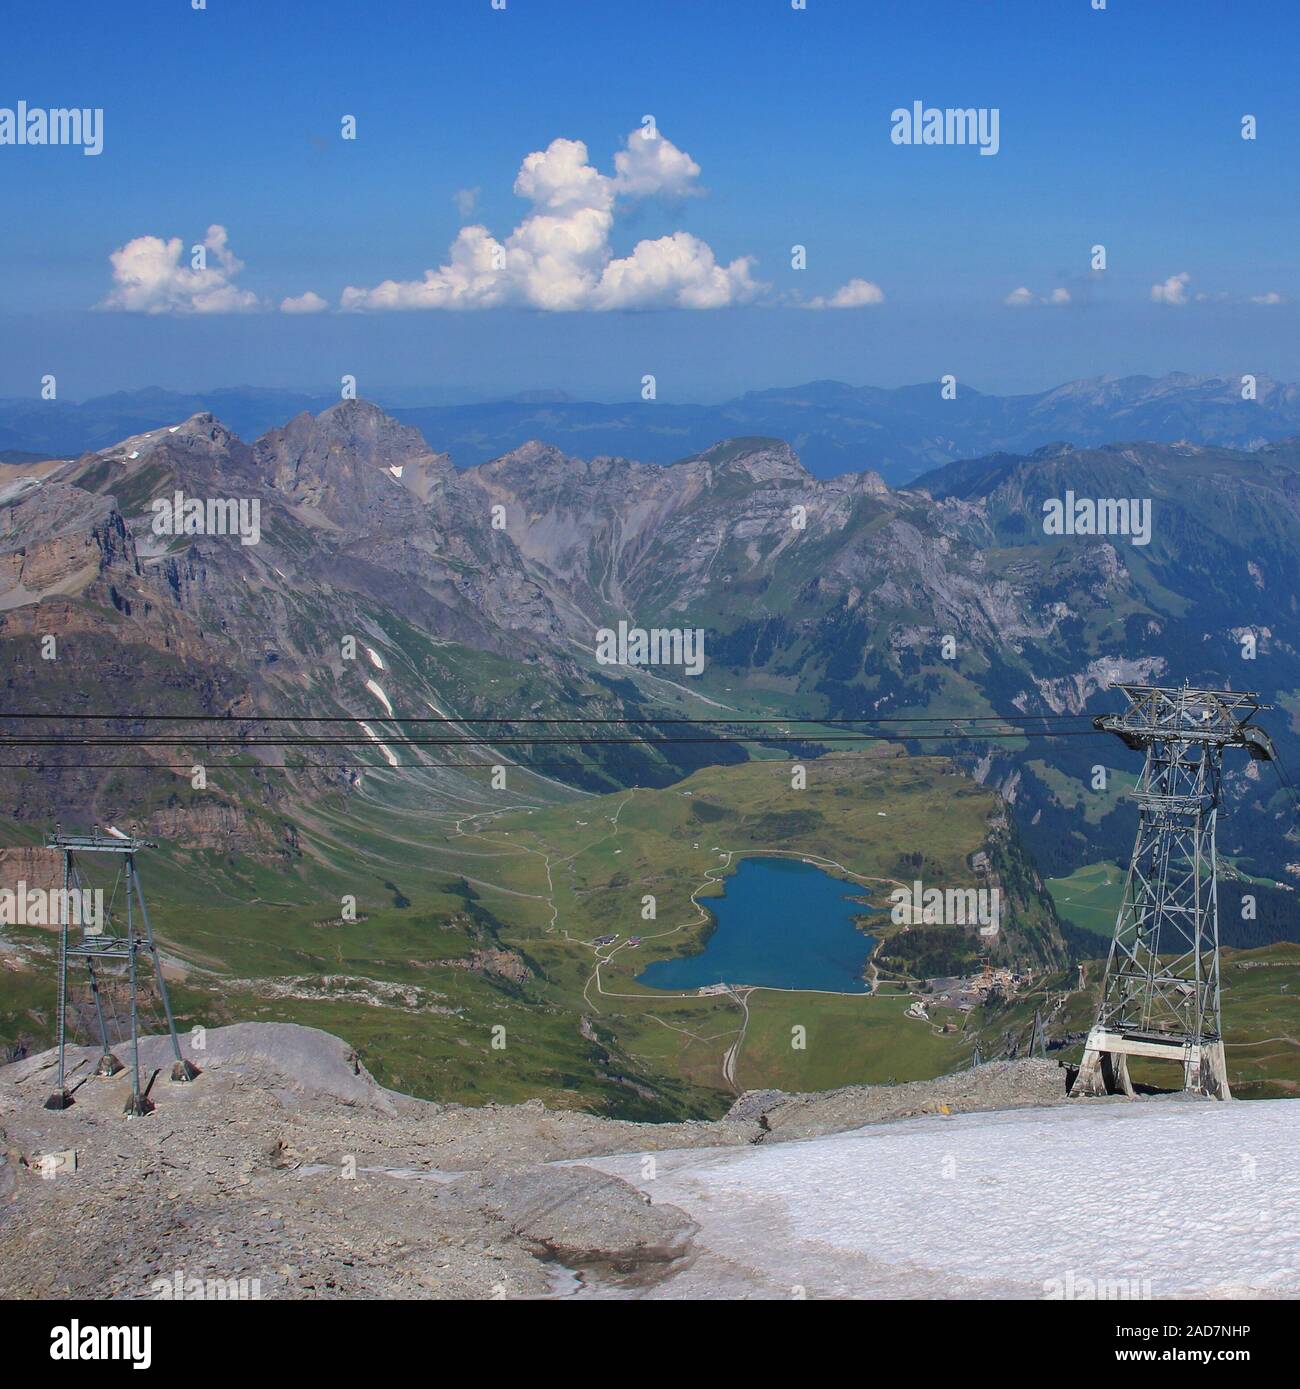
x: 473, y: 972
x: 486, y: 917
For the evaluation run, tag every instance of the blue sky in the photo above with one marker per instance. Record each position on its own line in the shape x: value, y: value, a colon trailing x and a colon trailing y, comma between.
x: 1120, y: 127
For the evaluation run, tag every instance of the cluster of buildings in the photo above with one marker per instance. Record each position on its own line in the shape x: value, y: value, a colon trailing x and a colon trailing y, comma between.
x: 965, y: 994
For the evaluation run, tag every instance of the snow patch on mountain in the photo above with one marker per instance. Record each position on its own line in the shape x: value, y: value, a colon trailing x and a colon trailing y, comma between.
x: 1162, y: 1199
x: 379, y: 694
x: 383, y: 747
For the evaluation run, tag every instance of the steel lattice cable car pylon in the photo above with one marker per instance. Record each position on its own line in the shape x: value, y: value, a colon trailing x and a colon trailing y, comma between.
x: 1160, y: 993
x: 94, y: 946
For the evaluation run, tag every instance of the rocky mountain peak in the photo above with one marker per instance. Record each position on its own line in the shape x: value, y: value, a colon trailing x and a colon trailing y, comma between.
x: 532, y: 453
x: 198, y: 453
x: 362, y: 429
x: 343, y: 459
x: 871, y: 483
x: 200, y: 437
x: 761, y: 459
x: 202, y: 429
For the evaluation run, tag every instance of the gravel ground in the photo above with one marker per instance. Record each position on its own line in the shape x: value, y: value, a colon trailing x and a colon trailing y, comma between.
x: 286, y: 1163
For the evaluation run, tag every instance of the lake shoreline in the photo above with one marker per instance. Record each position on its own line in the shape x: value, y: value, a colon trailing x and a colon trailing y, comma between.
x: 750, y: 942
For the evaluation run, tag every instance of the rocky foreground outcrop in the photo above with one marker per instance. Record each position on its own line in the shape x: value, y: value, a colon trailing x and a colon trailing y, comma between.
x: 286, y: 1163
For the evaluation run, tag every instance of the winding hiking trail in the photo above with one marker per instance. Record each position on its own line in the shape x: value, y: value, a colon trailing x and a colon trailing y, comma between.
x: 733, y: 1051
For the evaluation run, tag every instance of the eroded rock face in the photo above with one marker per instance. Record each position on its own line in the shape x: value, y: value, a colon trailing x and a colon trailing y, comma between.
x: 349, y: 463
x: 504, y: 963
x: 38, y: 867
x: 55, y: 538
x: 215, y: 826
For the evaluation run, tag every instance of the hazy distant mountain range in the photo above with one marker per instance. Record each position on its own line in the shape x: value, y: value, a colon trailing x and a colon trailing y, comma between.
x: 835, y: 428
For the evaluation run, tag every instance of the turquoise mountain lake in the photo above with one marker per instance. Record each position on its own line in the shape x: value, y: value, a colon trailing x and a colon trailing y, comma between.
x: 780, y: 922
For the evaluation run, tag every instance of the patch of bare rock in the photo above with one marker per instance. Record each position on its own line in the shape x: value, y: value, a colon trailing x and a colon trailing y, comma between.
x: 285, y: 1164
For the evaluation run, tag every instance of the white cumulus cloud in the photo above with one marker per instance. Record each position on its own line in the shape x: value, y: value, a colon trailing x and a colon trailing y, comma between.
x: 857, y: 294
x: 561, y: 257
x: 680, y: 270
x: 304, y: 303
x: 1173, y: 290
x: 1025, y: 298
x: 149, y: 277
x: 651, y: 167
x: 1271, y: 297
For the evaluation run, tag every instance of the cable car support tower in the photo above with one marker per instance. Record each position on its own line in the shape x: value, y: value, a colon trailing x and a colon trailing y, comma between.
x: 1160, y: 993
x: 97, y: 947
